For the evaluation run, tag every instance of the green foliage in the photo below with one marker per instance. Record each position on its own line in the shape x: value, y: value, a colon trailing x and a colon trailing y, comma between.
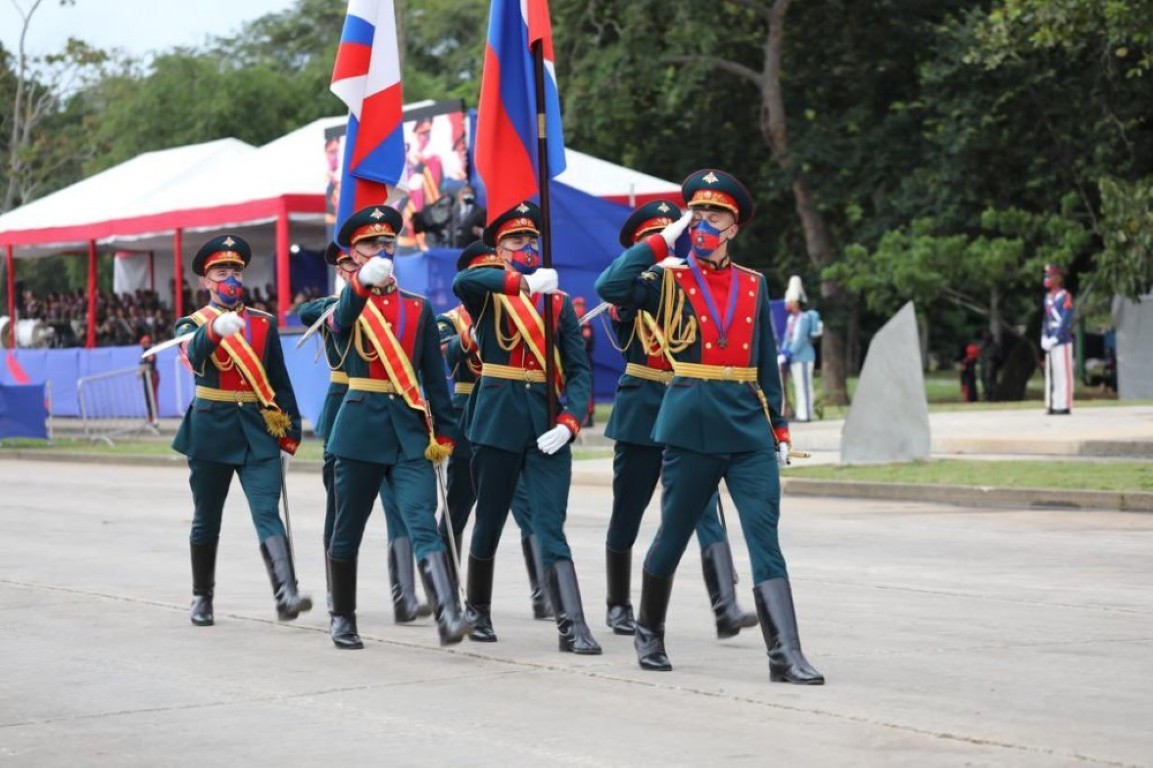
x: 1120, y: 30
x: 1126, y: 264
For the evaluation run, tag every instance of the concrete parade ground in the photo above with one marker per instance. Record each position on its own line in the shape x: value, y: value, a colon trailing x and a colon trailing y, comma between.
x: 949, y: 637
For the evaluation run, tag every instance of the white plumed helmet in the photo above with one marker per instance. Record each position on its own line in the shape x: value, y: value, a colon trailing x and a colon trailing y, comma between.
x: 795, y: 291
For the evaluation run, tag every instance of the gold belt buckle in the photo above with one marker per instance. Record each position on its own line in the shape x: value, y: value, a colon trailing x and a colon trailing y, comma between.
x: 727, y: 373
x: 666, y: 377
x: 527, y: 374
x: 236, y: 393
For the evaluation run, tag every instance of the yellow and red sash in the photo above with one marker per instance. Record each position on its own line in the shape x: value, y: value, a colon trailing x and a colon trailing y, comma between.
x: 531, y: 327
x: 247, y: 361
x: 462, y: 322
x: 398, y: 366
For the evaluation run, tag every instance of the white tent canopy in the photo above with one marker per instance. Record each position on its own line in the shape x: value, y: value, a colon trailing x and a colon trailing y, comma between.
x: 92, y: 208
x: 610, y: 181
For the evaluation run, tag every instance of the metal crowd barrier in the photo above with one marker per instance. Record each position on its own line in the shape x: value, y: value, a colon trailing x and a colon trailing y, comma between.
x: 118, y: 403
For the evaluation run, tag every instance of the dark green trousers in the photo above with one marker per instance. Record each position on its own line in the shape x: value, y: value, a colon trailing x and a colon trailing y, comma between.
x: 546, y: 481
x: 690, y: 478
x: 392, y: 519
x: 462, y: 493
x: 358, y: 483
x: 210, y: 480
x: 636, y: 472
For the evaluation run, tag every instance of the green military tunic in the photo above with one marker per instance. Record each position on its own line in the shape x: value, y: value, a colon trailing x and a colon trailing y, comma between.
x: 224, y: 430
x: 377, y: 436
x: 720, y: 417
x: 507, y: 415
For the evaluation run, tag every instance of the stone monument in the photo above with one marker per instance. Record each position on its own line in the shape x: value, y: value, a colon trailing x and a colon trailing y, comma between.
x: 889, y: 418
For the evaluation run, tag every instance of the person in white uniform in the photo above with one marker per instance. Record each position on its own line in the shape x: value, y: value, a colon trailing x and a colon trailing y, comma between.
x: 797, y: 349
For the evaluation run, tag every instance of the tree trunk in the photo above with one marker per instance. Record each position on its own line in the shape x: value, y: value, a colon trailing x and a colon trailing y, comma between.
x: 818, y: 243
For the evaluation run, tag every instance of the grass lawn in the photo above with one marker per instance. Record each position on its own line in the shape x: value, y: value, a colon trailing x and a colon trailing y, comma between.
x: 1080, y: 475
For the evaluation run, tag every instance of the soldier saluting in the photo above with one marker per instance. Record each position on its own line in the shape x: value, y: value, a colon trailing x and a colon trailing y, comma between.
x: 510, y: 427
x: 395, y: 421
x: 637, y: 457
x: 243, y: 416
x: 720, y: 418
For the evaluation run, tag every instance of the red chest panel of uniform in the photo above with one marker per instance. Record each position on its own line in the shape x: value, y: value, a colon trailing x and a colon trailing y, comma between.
x: 391, y: 305
x: 255, y: 333
x: 521, y: 356
x: 733, y: 346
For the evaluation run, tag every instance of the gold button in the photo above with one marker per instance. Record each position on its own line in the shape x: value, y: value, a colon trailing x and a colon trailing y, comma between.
x: 692, y: 290
x: 708, y: 345
x: 746, y: 346
x: 704, y: 319
x: 748, y: 319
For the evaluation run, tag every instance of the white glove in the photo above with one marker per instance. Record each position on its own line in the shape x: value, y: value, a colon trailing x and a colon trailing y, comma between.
x: 1048, y: 342
x: 228, y: 324
x: 676, y: 229
x: 671, y: 261
x: 553, y: 440
x: 782, y: 359
x: 376, y: 271
x: 542, y: 281
x: 782, y: 455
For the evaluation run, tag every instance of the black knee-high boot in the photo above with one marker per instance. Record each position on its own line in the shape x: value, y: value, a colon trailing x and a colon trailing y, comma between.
x: 717, y: 562
x: 451, y: 623
x: 618, y: 573
x: 278, y: 560
x: 541, y: 607
x: 787, y: 664
x: 203, y: 584
x: 342, y: 625
x: 650, y: 637
x: 406, y: 606
x: 564, y: 591
x: 479, y: 599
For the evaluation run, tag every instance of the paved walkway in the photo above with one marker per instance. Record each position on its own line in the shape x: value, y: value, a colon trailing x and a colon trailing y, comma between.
x: 950, y: 637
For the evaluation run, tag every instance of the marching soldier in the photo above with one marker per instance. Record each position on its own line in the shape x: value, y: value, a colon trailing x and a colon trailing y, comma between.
x: 509, y: 424
x: 387, y: 428
x: 637, y: 457
x: 243, y: 417
x: 720, y: 417
x: 405, y: 605
x: 461, y: 355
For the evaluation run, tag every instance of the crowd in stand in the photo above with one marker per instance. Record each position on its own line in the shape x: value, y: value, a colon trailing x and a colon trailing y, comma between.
x: 121, y: 319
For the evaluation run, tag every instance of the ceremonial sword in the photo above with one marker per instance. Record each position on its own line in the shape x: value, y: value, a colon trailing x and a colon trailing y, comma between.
x: 315, y: 326
x: 166, y: 344
x: 284, y: 503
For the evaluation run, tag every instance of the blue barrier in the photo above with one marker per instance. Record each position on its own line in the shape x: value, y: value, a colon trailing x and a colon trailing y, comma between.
x: 23, y: 412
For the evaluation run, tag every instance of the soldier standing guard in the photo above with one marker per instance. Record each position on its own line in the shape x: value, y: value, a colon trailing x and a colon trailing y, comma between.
x: 1057, y: 342
x: 387, y: 429
x: 637, y: 457
x: 797, y: 349
x: 405, y: 605
x: 243, y: 416
x: 509, y: 425
x: 720, y: 418
x: 461, y: 355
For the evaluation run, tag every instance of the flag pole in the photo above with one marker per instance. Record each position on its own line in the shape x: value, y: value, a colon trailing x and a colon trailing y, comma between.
x: 545, y: 230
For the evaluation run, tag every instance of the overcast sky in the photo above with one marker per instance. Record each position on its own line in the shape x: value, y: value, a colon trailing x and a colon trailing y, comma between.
x: 137, y: 26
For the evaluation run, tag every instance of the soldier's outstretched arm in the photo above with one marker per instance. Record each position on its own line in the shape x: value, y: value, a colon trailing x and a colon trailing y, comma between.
x: 350, y: 304
x: 202, y: 345
x: 633, y: 280
x: 310, y: 311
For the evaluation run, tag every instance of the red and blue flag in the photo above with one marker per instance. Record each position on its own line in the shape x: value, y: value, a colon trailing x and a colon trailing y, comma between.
x: 367, y: 79
x: 506, y: 132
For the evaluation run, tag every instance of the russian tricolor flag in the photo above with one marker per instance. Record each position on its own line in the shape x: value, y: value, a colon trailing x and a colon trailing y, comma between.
x: 367, y: 79
x: 506, y: 132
